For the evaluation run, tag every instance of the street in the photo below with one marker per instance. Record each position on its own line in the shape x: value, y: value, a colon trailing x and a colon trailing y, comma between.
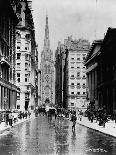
x: 47, y: 136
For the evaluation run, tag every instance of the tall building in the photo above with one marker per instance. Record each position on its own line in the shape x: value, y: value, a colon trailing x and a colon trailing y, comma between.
x: 26, y: 58
x: 60, y: 76
x: 47, y: 71
x: 76, y: 70
x: 8, y: 22
x: 71, y: 72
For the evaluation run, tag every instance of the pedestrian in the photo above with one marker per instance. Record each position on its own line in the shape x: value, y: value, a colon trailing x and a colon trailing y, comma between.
x: 55, y: 114
x: 80, y: 115
x: 74, y: 118
x: 10, y: 119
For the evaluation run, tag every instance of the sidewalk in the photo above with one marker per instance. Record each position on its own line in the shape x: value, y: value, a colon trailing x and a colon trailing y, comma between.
x: 110, y: 126
x: 4, y: 127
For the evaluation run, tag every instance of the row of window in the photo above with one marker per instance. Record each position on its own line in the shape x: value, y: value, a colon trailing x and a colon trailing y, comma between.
x: 26, y: 96
x: 78, y: 58
x: 18, y: 36
x: 27, y: 56
x: 27, y: 66
x: 78, y: 67
x: 26, y: 77
x: 19, y: 46
x: 78, y: 84
x: 78, y: 93
x: 79, y: 77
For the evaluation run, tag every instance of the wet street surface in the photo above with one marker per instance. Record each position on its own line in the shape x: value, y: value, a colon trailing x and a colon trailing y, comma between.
x: 49, y: 137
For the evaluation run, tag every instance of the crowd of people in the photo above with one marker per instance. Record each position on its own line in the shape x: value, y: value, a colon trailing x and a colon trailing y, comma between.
x: 99, y: 115
x: 11, y: 117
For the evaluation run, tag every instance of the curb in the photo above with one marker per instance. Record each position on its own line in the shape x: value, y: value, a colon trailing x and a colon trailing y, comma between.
x: 97, y: 130
x: 17, y: 123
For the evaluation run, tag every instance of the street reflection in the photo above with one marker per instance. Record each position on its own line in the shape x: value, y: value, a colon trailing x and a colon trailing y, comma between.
x: 41, y: 136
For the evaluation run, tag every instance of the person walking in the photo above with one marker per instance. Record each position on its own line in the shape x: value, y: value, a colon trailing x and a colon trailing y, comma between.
x: 74, y: 118
x: 10, y: 119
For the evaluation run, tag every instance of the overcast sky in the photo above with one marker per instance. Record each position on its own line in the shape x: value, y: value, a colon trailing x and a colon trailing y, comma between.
x: 79, y: 18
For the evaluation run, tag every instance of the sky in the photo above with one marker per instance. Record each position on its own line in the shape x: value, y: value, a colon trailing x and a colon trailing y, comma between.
x: 88, y: 19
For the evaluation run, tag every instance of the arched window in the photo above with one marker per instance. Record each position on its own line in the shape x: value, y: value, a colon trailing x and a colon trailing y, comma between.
x: 18, y: 8
x: 18, y: 35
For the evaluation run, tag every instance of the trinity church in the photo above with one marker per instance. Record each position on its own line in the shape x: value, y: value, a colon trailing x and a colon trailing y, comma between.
x: 47, y: 71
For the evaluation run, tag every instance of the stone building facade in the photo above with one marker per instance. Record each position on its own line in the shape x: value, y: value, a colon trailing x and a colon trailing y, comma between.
x: 101, y: 72
x: 26, y: 58
x: 71, y: 72
x: 8, y: 22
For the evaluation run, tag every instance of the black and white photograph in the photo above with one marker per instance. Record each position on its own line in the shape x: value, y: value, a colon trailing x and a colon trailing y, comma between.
x: 57, y: 77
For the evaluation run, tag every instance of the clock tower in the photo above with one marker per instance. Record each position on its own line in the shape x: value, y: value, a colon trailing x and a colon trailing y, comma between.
x: 47, y: 71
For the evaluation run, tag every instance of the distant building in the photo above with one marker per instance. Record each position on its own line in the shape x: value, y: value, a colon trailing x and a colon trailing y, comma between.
x: 70, y: 56
x: 60, y: 76
x: 8, y: 22
x: 47, y: 71
x: 76, y: 70
x: 26, y: 58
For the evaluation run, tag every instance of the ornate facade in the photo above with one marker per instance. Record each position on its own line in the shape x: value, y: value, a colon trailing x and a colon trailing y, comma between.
x: 47, y: 70
x: 26, y: 58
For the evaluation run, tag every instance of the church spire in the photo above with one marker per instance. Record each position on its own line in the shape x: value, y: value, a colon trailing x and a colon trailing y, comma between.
x: 46, y: 39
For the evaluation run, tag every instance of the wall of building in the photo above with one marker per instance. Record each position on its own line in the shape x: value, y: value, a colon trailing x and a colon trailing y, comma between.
x: 8, y: 89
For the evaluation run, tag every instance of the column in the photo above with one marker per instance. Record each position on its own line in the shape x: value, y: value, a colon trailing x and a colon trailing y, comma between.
x: 11, y: 99
x: 90, y: 85
x: 95, y: 83
x: 0, y: 97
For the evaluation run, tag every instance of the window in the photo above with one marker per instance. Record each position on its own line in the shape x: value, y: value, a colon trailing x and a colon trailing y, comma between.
x: 84, y: 77
x: 78, y: 67
x: 72, y: 84
x: 26, y: 66
x: 26, y: 77
x: 78, y: 93
x: 26, y: 96
x: 18, y: 55
x: 72, y: 76
x: 18, y: 96
x: 26, y: 57
x: 84, y: 86
x: 18, y: 77
x: 27, y: 87
x: 27, y: 36
x: 78, y: 58
x: 72, y: 66
x: 83, y: 93
x: 72, y: 92
x: 78, y: 74
x: 18, y: 45
x: 18, y: 65
x: 18, y: 35
x: 78, y: 85
x: 72, y: 104
x: 72, y: 97
x: 18, y: 106
x: 84, y: 58
x: 27, y: 47
x: 72, y: 58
